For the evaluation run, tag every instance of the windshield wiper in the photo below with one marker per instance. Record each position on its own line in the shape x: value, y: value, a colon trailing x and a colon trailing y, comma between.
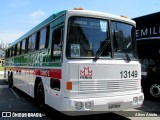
x: 125, y: 50
x: 102, y: 50
x: 127, y: 56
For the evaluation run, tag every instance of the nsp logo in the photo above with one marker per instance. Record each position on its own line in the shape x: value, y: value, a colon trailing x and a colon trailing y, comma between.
x: 86, y: 73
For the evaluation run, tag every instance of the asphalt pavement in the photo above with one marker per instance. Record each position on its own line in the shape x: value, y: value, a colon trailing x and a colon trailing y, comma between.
x: 15, y: 105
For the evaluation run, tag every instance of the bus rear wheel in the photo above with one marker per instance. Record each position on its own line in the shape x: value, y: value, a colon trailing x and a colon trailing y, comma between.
x: 10, y: 81
x: 154, y: 90
x: 40, y: 97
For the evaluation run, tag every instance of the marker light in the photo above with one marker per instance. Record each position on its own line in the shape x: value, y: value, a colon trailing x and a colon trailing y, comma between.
x: 78, y: 9
x: 69, y: 85
x: 124, y: 16
x: 81, y: 9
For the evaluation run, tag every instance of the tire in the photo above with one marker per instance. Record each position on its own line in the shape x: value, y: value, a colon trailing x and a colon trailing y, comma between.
x: 10, y: 80
x: 154, y: 90
x: 40, y: 96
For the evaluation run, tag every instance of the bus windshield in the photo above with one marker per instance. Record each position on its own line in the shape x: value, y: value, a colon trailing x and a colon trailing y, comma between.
x: 90, y: 38
x: 124, y: 40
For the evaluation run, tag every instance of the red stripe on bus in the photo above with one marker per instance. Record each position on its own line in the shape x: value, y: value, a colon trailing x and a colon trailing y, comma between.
x: 36, y: 72
x: 55, y: 73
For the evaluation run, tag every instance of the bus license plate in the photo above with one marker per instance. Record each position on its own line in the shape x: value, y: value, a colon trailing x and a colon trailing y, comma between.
x: 114, y: 106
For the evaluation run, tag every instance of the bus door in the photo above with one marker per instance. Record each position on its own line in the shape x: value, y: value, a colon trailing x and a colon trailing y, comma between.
x: 56, y: 35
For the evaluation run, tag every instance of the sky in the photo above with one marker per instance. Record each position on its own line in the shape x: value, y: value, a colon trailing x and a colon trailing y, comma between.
x: 19, y: 16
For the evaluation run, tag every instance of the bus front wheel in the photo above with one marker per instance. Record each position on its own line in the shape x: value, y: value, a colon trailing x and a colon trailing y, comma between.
x: 40, y: 97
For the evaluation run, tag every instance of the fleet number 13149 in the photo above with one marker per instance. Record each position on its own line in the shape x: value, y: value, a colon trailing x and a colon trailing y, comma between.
x: 129, y: 74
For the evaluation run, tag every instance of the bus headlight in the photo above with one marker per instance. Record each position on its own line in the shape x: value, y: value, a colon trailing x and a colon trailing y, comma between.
x: 135, y: 100
x: 88, y: 105
x: 78, y: 105
x: 140, y: 99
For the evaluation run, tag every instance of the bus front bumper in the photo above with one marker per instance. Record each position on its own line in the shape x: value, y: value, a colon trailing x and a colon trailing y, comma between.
x: 103, y: 104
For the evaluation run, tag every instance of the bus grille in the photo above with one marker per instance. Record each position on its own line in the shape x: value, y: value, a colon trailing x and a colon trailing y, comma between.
x: 100, y: 86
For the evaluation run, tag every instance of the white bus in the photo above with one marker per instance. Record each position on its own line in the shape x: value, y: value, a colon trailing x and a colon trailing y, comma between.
x: 78, y: 60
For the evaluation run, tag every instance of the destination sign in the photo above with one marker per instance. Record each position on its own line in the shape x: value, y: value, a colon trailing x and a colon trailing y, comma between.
x: 102, y: 24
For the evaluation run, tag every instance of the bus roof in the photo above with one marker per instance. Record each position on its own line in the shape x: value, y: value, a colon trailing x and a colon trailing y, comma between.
x: 102, y: 15
x: 77, y: 12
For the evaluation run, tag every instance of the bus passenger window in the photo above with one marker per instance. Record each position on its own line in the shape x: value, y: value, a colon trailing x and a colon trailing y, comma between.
x: 37, y: 41
x: 42, y: 38
x: 15, y: 50
x: 6, y: 54
x: 47, y: 37
x: 12, y: 52
x: 23, y: 46
x: 57, y: 37
x: 19, y: 48
x: 31, y: 43
x: 9, y: 53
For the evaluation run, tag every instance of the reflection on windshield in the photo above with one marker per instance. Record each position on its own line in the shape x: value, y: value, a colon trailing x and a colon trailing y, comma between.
x: 87, y: 38
x: 123, y: 40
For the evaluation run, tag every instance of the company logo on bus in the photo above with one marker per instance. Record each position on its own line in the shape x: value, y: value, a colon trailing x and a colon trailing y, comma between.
x: 86, y: 73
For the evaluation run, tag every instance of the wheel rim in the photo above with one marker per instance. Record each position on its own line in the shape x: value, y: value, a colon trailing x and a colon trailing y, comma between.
x: 155, y: 90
